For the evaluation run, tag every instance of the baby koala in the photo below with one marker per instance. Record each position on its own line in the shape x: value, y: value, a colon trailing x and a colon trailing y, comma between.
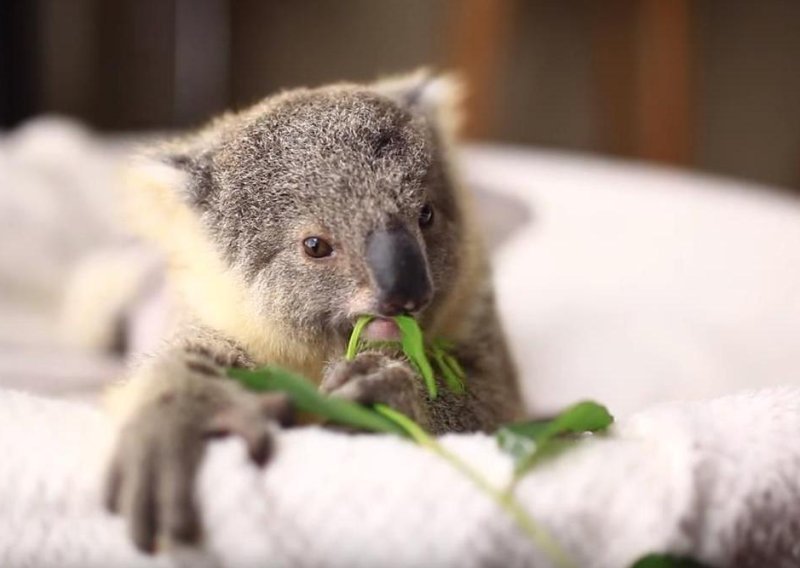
x: 282, y: 225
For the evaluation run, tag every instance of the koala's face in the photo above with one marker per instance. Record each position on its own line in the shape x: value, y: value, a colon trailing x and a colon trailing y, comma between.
x: 335, y: 203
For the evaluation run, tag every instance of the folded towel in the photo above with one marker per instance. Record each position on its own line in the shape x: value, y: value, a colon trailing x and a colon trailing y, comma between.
x: 716, y: 480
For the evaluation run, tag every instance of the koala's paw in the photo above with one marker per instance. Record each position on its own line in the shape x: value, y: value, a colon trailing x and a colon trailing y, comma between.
x: 373, y: 377
x: 151, y: 480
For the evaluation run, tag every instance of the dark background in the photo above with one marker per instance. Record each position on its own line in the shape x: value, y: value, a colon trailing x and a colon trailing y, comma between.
x: 707, y: 84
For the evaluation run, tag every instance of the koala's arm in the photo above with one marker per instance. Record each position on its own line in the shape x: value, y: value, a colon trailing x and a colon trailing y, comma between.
x: 492, y: 396
x: 171, y: 405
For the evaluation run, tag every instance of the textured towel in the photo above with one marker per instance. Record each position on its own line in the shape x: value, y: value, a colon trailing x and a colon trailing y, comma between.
x: 717, y: 480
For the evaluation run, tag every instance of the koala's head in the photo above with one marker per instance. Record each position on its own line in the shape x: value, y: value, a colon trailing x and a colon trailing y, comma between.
x: 332, y: 203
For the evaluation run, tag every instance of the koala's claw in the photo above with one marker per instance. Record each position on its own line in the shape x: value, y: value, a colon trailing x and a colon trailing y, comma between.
x: 253, y: 430
x: 373, y: 377
x: 152, y: 476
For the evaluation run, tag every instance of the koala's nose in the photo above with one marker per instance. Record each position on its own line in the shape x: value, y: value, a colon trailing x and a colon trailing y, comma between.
x: 399, y: 270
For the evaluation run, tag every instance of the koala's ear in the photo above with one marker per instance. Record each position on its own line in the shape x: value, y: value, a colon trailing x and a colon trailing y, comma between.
x: 161, y: 182
x: 437, y: 97
x: 192, y: 178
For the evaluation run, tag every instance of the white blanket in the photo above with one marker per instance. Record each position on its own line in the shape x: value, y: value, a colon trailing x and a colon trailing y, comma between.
x: 715, y: 480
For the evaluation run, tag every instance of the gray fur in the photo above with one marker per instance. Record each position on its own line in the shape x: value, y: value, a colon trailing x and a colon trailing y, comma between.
x: 339, y: 162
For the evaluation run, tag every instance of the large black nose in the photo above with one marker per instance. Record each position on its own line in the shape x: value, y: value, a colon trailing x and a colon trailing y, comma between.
x: 399, y: 270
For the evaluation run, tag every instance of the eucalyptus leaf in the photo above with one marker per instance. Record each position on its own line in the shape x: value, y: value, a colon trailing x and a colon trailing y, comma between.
x: 527, y: 442
x: 449, y: 371
x: 518, y: 447
x: 414, y: 348
x: 667, y: 561
x: 307, y: 398
x: 413, y: 345
x: 454, y: 364
x: 585, y: 416
x: 444, y: 344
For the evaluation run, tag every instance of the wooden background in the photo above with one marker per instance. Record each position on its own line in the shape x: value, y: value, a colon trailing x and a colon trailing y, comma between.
x: 706, y: 84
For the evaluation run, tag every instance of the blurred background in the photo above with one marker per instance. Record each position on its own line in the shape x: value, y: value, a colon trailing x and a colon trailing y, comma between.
x: 618, y: 279
x: 707, y: 84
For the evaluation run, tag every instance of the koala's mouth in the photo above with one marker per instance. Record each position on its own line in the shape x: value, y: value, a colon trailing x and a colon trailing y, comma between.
x: 381, y: 329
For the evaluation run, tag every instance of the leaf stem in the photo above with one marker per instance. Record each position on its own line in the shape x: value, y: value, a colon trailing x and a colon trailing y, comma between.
x: 355, y: 337
x: 504, y: 499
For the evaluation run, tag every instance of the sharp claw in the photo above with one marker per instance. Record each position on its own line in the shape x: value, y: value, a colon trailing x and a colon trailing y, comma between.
x: 181, y: 523
x: 139, y: 502
x: 259, y: 447
x: 143, y: 533
x: 252, y: 426
x: 218, y: 427
x: 112, y: 488
x: 185, y: 533
x: 178, y: 514
x: 278, y: 407
x: 145, y: 544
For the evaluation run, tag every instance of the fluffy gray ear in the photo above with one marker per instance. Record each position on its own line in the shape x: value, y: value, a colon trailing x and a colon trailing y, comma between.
x: 196, y: 183
x: 437, y: 97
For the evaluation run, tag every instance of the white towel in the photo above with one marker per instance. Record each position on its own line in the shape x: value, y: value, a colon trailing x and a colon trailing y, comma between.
x: 717, y: 480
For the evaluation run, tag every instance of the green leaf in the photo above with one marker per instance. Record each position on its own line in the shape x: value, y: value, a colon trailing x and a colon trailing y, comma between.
x: 586, y: 416
x: 444, y: 344
x: 414, y: 348
x: 449, y: 369
x: 667, y: 561
x: 355, y: 337
x: 527, y: 442
x: 307, y: 398
x: 454, y: 364
x: 412, y: 343
x: 449, y: 366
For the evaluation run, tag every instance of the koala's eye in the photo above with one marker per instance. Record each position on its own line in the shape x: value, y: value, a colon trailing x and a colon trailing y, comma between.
x: 426, y: 216
x: 316, y: 247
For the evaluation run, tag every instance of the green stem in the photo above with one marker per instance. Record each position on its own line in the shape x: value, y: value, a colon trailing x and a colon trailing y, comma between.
x: 355, y: 337
x: 447, y: 371
x: 504, y: 499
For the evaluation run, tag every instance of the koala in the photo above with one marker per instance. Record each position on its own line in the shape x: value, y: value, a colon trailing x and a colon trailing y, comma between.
x: 281, y: 225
